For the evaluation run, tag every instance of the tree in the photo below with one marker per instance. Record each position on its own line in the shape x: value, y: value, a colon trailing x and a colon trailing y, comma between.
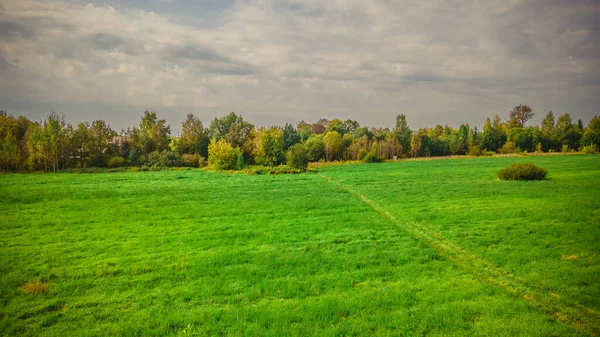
x: 315, y: 148
x: 403, y: 134
x: 297, y: 157
x: 194, y: 137
x: 333, y: 145
x: 519, y: 115
x: 591, y: 136
x: 493, y: 134
x: 567, y: 133
x: 269, y: 148
x: 100, y: 136
x: 223, y: 156
x: 548, y: 134
x: 237, y: 132
x: 290, y: 136
x: 9, y: 152
x: 155, y: 132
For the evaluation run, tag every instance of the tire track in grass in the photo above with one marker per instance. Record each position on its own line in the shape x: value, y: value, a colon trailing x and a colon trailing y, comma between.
x: 562, y: 310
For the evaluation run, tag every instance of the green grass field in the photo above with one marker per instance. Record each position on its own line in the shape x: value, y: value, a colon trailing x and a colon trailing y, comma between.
x: 416, y: 248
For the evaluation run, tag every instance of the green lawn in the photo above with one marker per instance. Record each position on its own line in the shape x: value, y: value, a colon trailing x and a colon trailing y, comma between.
x: 416, y: 248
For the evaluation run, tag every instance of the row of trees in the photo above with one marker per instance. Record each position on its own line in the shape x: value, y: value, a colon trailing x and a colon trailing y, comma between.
x: 230, y: 142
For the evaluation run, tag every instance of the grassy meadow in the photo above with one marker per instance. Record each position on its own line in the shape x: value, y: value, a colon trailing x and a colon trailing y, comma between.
x: 413, y: 248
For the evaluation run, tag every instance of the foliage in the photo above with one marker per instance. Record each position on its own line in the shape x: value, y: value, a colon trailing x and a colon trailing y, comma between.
x: 373, y: 155
x: 508, y: 148
x: 116, y: 162
x: 519, y: 115
x: 591, y: 136
x: 164, y: 158
x: 589, y: 149
x: 53, y: 144
x: 223, y: 156
x: 403, y: 134
x: 315, y: 148
x: 290, y: 136
x: 522, y: 171
x: 194, y: 137
x: 334, y: 146
x: 193, y: 160
x: 269, y: 147
x: 297, y: 157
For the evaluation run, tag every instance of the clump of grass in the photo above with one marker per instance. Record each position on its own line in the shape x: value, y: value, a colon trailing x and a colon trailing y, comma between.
x: 34, y: 287
x: 525, y: 171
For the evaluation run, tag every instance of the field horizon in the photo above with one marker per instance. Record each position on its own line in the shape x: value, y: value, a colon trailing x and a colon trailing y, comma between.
x: 410, y: 248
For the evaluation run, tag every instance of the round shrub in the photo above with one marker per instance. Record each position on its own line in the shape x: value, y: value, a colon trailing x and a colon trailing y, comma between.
x: 115, y: 162
x: 526, y: 171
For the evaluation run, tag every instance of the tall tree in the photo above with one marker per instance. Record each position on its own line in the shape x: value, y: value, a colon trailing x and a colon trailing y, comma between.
x: 290, y: 136
x: 519, y: 115
x: 236, y: 131
x: 568, y: 133
x: 591, y: 136
x: 194, y: 137
x: 156, y: 132
x: 269, y: 148
x: 403, y: 134
x: 334, y: 145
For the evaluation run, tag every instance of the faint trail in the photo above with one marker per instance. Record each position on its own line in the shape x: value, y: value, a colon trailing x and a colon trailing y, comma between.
x: 575, y: 315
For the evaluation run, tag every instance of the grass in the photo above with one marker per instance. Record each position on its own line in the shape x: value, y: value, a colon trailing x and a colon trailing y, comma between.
x: 411, y: 248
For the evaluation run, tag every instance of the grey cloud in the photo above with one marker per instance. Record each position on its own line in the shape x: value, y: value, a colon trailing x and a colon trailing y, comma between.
x: 207, y: 60
x: 107, y: 41
x: 196, y: 52
x: 11, y: 30
x: 275, y: 59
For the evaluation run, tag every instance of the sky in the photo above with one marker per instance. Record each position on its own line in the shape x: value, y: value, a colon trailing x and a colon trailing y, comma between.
x: 278, y: 61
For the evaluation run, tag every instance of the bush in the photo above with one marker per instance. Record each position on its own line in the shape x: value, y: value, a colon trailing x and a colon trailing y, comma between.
x: 297, y: 157
x: 589, y: 149
x: 163, y: 159
x: 371, y: 157
x: 565, y: 148
x: 475, y: 151
x: 116, y: 162
x: 223, y: 156
x: 526, y: 171
x: 508, y: 148
x: 193, y: 160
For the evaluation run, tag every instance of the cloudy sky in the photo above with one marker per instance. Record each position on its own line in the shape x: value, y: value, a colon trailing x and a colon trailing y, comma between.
x: 278, y: 61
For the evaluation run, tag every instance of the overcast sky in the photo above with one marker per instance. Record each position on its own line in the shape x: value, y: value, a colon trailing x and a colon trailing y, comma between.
x: 277, y: 61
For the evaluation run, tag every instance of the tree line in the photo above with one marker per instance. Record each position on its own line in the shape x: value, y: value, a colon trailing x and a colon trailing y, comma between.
x: 230, y: 142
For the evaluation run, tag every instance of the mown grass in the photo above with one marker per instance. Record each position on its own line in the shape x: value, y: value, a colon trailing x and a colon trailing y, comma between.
x: 204, y: 253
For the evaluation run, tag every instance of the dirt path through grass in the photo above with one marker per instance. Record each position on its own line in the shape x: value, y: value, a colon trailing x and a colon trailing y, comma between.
x: 552, y: 304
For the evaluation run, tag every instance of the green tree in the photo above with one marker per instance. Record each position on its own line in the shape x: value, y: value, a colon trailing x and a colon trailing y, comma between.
x: 269, y: 148
x: 155, y: 133
x: 591, y: 136
x: 236, y: 131
x: 100, y: 136
x: 297, y: 157
x: 334, y: 146
x: 315, y: 148
x: 290, y: 136
x: 548, y: 133
x: 223, y: 156
x: 403, y: 134
x: 567, y: 133
x: 194, y: 137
